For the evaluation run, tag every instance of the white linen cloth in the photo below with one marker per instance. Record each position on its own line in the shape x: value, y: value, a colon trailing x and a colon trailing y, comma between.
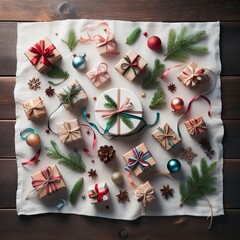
x: 30, y: 33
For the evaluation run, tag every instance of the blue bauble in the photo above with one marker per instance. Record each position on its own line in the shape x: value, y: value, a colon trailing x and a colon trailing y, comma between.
x: 173, y: 166
x: 79, y: 62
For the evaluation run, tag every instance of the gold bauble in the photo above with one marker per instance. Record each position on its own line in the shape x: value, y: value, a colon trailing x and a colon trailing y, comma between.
x: 117, y: 177
x: 33, y: 140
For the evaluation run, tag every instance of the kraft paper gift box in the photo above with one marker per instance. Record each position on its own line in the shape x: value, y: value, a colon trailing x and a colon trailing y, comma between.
x: 78, y: 98
x: 166, y: 136
x: 195, y: 126
x: 98, y: 192
x: 139, y: 159
x: 43, y: 54
x: 34, y: 108
x: 41, y: 183
x: 131, y: 65
x: 69, y: 131
x: 107, y: 44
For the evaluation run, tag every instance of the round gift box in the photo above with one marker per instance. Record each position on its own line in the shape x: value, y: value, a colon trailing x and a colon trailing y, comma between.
x: 119, y: 95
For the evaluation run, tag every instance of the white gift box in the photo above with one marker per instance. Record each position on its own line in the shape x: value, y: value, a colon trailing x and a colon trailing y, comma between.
x: 98, y: 192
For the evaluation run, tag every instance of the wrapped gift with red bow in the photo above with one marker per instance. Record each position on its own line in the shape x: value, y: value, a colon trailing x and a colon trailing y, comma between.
x: 69, y: 131
x: 195, y: 126
x: 47, y: 181
x: 99, y: 75
x: 131, y: 65
x: 98, y: 192
x: 139, y: 159
x: 43, y: 54
x: 34, y: 108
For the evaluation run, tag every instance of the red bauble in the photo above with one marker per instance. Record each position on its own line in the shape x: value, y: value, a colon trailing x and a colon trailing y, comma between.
x: 154, y: 43
x: 177, y: 104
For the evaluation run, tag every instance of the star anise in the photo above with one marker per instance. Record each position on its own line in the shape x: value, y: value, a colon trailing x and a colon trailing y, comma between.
x: 49, y: 91
x: 34, y: 83
x: 92, y: 173
x: 166, y: 192
x: 122, y: 196
x: 188, y: 155
x: 206, y: 146
x: 172, y: 87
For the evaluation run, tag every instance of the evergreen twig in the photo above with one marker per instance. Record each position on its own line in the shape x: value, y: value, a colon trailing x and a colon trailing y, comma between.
x: 110, y: 104
x: 132, y: 38
x: 57, y: 73
x: 127, y: 121
x: 73, y: 161
x: 75, y: 190
x: 72, y: 39
x: 158, y: 100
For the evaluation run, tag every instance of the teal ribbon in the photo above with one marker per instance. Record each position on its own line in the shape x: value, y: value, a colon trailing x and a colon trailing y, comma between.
x: 127, y: 115
x: 25, y: 133
x: 170, y: 142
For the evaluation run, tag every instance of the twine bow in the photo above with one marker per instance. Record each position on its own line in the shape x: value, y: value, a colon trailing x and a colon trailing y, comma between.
x: 197, y: 126
x: 191, y: 75
x: 139, y: 159
x: 42, y: 53
x: 131, y: 64
x: 32, y: 107
x: 166, y: 136
x: 69, y: 133
x: 99, y: 73
x: 144, y: 194
x: 97, y: 194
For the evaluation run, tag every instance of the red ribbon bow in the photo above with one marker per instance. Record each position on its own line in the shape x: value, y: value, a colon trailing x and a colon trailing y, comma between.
x: 42, y: 53
x: 97, y: 194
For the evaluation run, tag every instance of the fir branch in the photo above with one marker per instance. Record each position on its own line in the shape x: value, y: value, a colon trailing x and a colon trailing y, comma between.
x: 179, y: 47
x: 111, y: 104
x: 69, y: 94
x: 158, y: 100
x: 127, y: 121
x: 73, y: 161
x: 112, y: 120
x: 151, y: 79
x: 72, y: 39
x: 57, y: 73
x: 132, y: 38
x: 75, y: 191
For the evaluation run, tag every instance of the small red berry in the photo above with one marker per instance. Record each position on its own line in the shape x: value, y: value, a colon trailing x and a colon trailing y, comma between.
x: 47, y: 131
x: 88, y: 115
x: 74, y: 54
x: 145, y: 34
x: 56, y: 34
x: 87, y: 132
x: 94, y: 98
x: 93, y: 161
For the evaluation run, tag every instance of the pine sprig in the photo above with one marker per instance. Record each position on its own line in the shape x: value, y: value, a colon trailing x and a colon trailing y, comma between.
x: 73, y: 161
x: 158, y: 100
x: 179, y: 47
x: 132, y: 38
x: 75, y: 191
x: 57, y: 73
x: 112, y: 120
x: 151, y: 79
x: 127, y: 121
x: 72, y: 39
x: 111, y: 104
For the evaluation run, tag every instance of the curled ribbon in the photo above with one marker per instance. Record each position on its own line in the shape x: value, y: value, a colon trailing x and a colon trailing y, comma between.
x: 34, y: 159
x: 166, y: 136
x: 99, y: 73
x: 69, y: 133
x: 191, y: 75
x: 32, y: 107
x: 197, y: 126
x: 42, y: 53
x: 97, y: 194
x: 126, y: 66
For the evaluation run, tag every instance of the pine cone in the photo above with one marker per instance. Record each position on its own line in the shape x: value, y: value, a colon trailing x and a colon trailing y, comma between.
x: 106, y: 153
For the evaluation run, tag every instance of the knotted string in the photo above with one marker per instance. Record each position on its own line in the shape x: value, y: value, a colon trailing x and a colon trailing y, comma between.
x: 166, y: 136
x: 33, y: 106
x: 196, y: 126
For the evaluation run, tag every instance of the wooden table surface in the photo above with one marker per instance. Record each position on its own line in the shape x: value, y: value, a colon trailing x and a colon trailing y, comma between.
x: 53, y: 226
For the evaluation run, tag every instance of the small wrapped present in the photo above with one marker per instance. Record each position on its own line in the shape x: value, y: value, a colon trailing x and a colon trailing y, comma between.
x: 118, y: 110
x: 99, y: 74
x: 69, y: 131
x: 47, y: 181
x: 139, y: 159
x: 131, y: 65
x: 43, y: 54
x: 195, y: 126
x: 191, y: 75
x: 72, y: 94
x: 166, y: 136
x: 98, y: 192
x: 34, y: 108
x: 144, y: 193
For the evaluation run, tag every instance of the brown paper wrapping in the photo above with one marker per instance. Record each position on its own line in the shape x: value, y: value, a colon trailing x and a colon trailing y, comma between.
x: 69, y: 131
x: 130, y: 75
x: 168, y: 139
x: 34, y: 108
x: 195, y: 126
x: 80, y: 97
x: 105, y: 49
x: 55, y: 171
x: 52, y: 59
x: 137, y: 170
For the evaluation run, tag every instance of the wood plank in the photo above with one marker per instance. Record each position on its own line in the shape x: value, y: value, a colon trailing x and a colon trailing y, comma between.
x: 230, y: 140
x: 161, y: 10
x: 230, y: 98
x: 8, y: 183
x: 53, y: 226
x: 229, y: 44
